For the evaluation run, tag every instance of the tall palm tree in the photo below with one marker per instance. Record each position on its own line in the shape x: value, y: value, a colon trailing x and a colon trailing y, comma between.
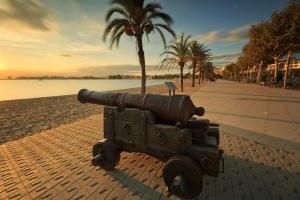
x: 136, y: 19
x: 204, y: 57
x: 209, y: 69
x: 177, y: 54
x: 199, y: 54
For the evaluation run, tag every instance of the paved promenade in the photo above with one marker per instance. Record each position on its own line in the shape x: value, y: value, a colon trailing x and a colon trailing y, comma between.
x: 264, y: 114
x: 55, y: 164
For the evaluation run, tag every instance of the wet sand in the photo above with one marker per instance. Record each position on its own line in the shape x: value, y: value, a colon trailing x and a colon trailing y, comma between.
x: 19, y: 118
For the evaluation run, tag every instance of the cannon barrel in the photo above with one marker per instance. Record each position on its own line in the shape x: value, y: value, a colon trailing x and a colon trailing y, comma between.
x: 178, y: 108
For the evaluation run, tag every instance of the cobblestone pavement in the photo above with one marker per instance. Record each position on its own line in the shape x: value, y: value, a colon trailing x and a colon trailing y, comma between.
x: 56, y: 165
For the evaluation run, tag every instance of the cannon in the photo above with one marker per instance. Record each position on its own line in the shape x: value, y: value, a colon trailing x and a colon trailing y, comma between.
x: 163, y: 127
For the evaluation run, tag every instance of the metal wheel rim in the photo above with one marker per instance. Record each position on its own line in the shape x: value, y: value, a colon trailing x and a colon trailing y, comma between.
x: 110, y: 152
x: 192, y: 177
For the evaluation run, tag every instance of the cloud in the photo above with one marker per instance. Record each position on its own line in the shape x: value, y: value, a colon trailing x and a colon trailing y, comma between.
x: 66, y: 55
x: 26, y: 13
x: 233, y: 35
x: 237, y: 34
x: 228, y: 55
x: 209, y: 37
x: 227, y: 58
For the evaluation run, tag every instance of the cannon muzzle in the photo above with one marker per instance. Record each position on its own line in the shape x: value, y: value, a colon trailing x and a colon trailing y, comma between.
x: 178, y: 108
x: 83, y: 95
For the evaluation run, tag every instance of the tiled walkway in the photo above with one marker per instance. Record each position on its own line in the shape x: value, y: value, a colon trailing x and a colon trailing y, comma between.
x: 56, y: 165
x: 260, y: 113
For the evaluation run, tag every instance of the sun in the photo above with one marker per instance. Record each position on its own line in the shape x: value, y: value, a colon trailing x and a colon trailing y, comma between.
x: 2, y: 66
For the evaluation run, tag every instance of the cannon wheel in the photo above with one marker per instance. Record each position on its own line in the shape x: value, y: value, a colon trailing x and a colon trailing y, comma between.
x: 183, y: 177
x: 106, y: 154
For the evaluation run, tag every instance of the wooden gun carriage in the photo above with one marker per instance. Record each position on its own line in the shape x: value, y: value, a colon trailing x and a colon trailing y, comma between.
x: 162, y: 127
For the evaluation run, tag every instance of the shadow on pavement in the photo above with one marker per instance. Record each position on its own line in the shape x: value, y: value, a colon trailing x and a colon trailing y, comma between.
x: 138, y: 188
x: 243, y: 94
x: 243, y: 179
x: 259, y: 137
x: 253, y: 117
x: 270, y: 100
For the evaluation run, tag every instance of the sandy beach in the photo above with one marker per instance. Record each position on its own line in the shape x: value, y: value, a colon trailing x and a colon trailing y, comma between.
x: 19, y: 118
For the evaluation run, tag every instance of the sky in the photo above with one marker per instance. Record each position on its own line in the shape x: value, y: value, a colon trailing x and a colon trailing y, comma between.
x: 64, y: 37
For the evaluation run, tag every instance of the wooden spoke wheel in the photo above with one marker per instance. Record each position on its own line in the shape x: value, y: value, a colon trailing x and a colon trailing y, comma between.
x: 183, y: 177
x: 106, y: 154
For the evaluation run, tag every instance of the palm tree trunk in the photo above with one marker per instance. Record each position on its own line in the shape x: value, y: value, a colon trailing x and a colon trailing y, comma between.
x: 259, y: 73
x: 199, y: 80
x: 142, y: 63
x: 247, y: 73
x: 287, y: 69
x: 194, y: 68
x: 276, y: 69
x: 181, y: 76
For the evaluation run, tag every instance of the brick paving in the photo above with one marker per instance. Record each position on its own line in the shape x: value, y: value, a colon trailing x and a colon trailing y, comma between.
x: 56, y: 165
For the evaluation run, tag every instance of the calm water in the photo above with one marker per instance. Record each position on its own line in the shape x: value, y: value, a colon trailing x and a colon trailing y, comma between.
x: 24, y: 89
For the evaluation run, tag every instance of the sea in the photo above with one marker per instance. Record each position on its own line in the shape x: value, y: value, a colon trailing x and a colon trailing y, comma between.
x: 25, y: 89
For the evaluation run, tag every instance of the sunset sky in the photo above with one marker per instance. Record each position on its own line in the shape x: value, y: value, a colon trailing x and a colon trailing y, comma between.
x: 64, y: 37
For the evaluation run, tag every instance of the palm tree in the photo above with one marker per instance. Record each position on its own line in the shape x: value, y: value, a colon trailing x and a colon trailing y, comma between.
x: 136, y: 19
x: 204, y: 57
x: 199, y: 54
x: 209, y: 70
x: 177, y: 54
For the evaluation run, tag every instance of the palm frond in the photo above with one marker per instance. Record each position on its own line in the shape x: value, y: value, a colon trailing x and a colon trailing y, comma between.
x: 118, y: 10
x: 112, y: 24
x: 168, y: 62
x: 174, y: 48
x: 152, y: 7
x: 162, y: 36
x: 165, y: 17
x: 116, y: 39
x: 167, y: 28
x: 186, y: 40
x: 129, y: 6
x: 147, y: 36
x: 168, y: 52
x: 116, y: 30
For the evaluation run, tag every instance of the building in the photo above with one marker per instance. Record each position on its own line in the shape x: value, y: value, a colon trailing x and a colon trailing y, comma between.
x: 294, y: 64
x: 219, y: 70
